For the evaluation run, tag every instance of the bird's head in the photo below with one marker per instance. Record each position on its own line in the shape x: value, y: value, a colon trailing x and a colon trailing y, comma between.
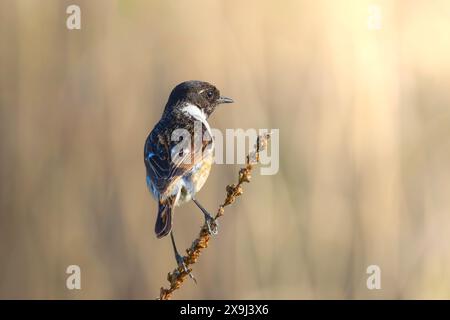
x: 201, y: 94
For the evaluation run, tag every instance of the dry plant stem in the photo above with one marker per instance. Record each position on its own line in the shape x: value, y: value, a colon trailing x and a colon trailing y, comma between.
x: 178, y: 276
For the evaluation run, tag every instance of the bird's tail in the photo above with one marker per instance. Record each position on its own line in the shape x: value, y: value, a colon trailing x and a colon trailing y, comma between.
x: 164, y: 219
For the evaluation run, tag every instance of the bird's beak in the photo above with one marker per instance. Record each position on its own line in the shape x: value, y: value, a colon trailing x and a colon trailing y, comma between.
x: 224, y: 100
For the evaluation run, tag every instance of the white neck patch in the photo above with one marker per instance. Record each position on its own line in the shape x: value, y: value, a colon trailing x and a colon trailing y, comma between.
x: 197, y: 114
x: 194, y: 111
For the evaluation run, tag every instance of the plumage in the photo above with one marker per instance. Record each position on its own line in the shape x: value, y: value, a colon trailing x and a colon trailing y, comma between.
x: 177, y: 170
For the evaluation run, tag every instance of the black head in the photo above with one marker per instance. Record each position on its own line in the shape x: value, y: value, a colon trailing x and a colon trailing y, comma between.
x: 202, y: 94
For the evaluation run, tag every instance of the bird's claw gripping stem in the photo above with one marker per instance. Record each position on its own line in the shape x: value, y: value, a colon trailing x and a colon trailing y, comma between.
x: 212, y: 225
x: 183, y: 266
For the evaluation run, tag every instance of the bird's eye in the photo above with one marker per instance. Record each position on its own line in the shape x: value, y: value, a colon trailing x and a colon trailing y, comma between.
x: 210, y: 94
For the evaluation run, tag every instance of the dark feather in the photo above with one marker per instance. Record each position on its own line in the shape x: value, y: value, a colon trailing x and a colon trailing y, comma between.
x: 162, y: 170
x: 163, y: 223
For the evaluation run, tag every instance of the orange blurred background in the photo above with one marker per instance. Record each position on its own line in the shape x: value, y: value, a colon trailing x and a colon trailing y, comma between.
x: 364, y: 120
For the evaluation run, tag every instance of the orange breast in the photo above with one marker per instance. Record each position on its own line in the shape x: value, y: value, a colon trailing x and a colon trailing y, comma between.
x: 199, y: 178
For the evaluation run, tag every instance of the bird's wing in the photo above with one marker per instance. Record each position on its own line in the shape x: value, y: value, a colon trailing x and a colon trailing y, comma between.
x: 167, y: 160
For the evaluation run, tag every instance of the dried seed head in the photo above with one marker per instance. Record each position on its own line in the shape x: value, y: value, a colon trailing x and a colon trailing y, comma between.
x: 230, y: 189
x: 245, y: 175
x: 239, y: 191
x: 220, y: 212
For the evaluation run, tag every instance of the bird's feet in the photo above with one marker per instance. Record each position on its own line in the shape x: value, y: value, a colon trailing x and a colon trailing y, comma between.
x: 212, y: 225
x: 182, y: 265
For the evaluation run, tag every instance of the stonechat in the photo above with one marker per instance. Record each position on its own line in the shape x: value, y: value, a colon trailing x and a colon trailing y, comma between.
x: 177, y: 166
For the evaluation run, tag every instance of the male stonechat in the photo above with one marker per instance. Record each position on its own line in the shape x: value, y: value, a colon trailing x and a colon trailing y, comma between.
x: 175, y: 174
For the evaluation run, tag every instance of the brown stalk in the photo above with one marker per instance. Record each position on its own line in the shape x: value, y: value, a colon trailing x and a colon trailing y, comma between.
x: 178, y: 275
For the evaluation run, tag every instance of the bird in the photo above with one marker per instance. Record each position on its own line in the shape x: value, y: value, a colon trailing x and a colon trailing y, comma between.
x: 178, y: 166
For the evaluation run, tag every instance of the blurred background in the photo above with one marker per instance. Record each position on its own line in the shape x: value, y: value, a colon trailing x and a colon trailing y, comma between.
x: 362, y: 103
